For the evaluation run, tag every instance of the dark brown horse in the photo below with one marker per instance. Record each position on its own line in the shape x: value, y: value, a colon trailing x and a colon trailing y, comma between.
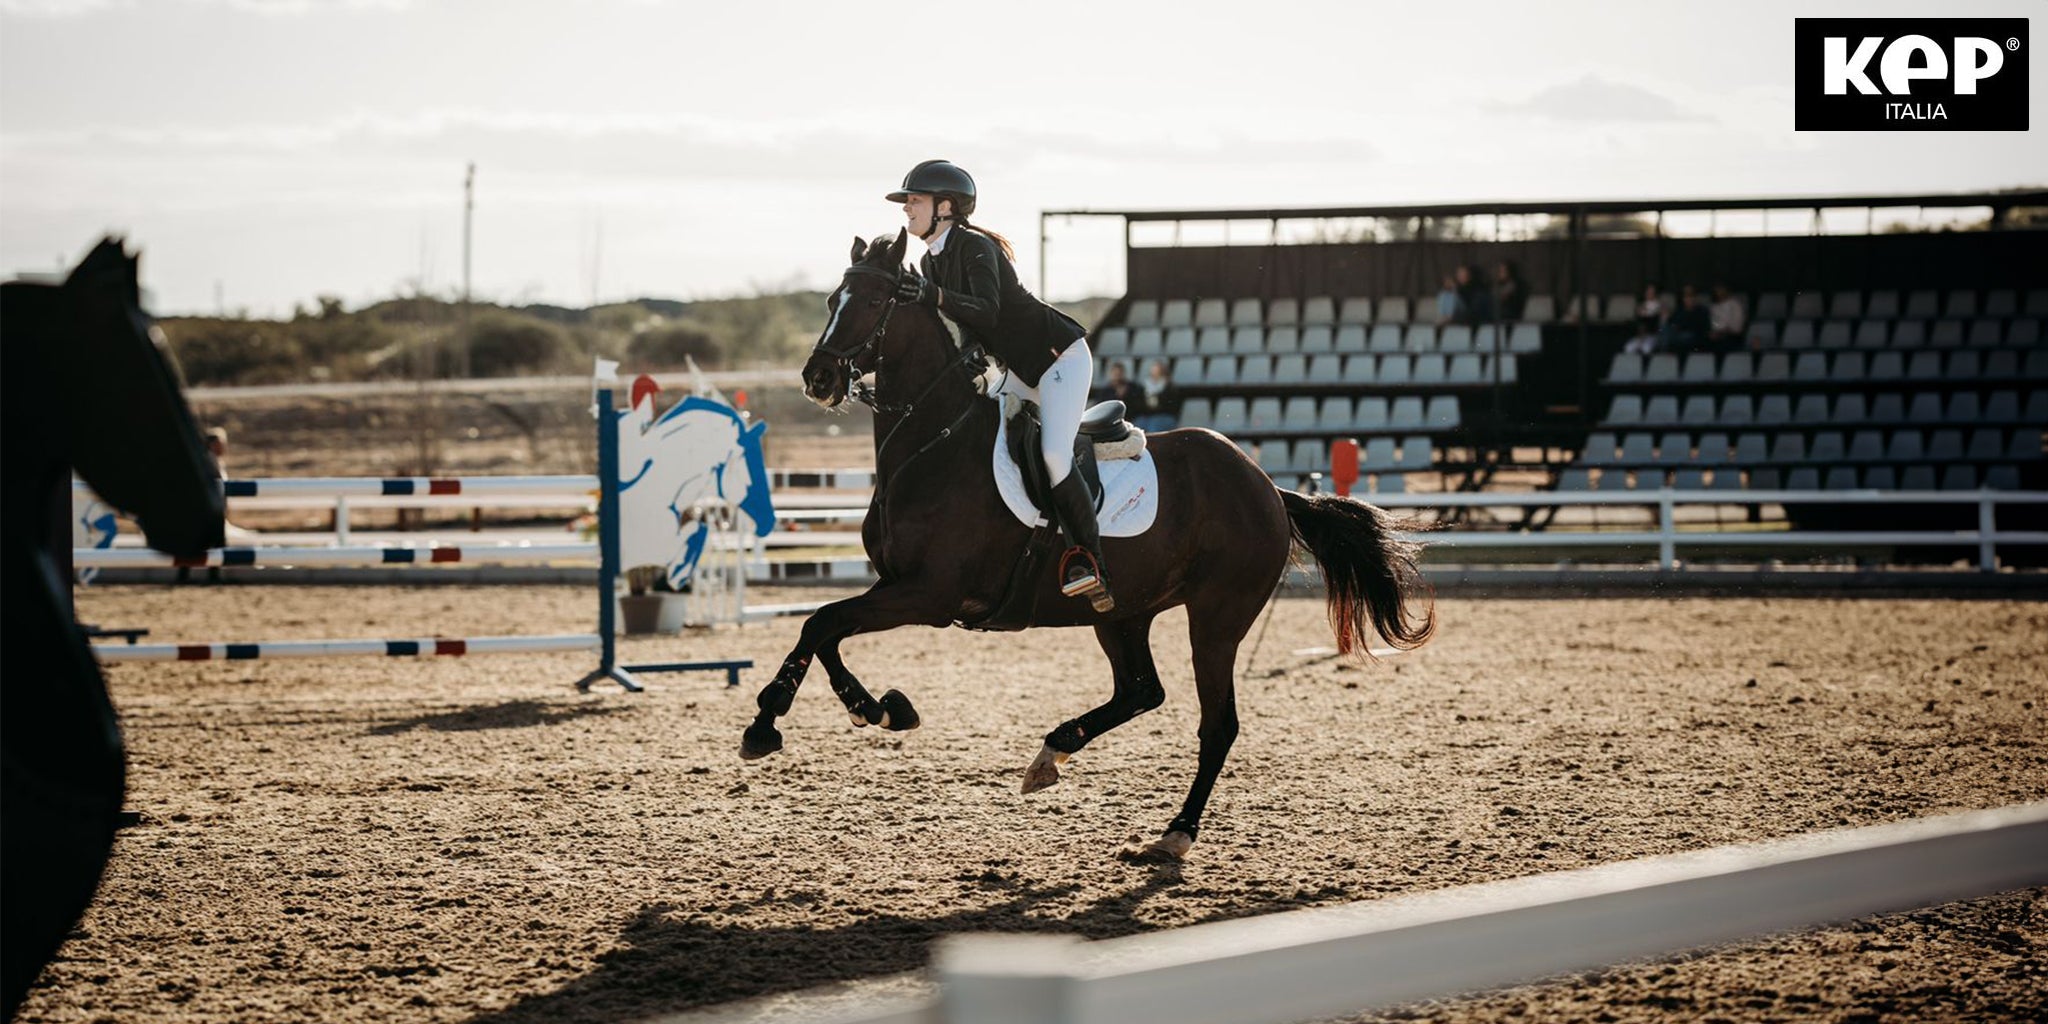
x: 943, y: 543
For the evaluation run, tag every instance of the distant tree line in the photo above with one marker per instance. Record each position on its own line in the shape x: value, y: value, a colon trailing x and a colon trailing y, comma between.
x: 420, y: 337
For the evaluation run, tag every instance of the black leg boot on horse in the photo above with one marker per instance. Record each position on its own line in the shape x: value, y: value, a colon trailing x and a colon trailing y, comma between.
x: 1081, y: 569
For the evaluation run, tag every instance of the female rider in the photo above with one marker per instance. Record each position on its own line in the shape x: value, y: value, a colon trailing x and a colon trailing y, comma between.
x: 969, y: 275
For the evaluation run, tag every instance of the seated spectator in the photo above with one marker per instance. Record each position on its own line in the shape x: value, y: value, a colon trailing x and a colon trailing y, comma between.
x: 1649, y: 321
x: 1726, y: 321
x: 1156, y: 404
x: 1117, y: 387
x: 1475, y: 299
x: 1447, y: 304
x: 1508, y: 294
x: 1688, y: 326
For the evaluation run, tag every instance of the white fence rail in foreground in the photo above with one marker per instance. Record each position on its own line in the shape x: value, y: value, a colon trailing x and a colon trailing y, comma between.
x: 1306, y: 964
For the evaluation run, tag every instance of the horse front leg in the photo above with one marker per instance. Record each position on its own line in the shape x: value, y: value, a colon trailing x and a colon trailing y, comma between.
x: 883, y: 606
x: 1129, y: 646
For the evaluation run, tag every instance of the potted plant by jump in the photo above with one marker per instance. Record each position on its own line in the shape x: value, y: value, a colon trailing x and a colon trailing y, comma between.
x: 640, y: 610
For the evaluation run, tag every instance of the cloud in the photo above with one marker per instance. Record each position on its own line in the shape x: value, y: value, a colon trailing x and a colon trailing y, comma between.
x: 1593, y: 98
x: 77, y: 8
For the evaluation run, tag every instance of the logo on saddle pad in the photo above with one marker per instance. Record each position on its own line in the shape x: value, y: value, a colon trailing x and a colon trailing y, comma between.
x: 677, y: 471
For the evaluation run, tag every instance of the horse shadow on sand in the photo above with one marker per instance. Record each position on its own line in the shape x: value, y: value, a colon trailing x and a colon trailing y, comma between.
x: 672, y: 962
x: 515, y: 714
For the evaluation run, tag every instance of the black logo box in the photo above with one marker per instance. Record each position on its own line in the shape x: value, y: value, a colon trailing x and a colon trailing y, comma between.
x: 1999, y: 105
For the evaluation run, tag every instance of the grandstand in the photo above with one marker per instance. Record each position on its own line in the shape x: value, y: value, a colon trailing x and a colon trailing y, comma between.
x: 1879, y: 353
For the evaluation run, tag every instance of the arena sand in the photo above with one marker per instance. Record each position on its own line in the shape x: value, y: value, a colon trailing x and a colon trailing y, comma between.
x: 472, y: 840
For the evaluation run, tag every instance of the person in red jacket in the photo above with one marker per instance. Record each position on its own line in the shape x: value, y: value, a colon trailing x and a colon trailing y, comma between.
x: 969, y: 275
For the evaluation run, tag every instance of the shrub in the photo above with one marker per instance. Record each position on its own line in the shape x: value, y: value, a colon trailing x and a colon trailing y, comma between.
x: 505, y: 345
x: 667, y: 346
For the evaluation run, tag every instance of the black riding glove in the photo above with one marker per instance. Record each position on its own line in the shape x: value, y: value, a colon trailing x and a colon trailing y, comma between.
x: 915, y: 287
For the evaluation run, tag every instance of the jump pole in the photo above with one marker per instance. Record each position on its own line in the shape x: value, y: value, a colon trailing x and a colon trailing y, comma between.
x: 605, y: 641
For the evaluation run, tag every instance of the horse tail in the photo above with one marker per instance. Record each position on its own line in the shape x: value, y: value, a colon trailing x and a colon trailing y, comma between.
x: 1371, y: 571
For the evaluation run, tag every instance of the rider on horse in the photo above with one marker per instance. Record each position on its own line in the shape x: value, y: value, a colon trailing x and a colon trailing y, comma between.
x: 969, y: 276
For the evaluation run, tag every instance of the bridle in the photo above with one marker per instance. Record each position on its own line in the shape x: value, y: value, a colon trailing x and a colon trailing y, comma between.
x: 860, y: 391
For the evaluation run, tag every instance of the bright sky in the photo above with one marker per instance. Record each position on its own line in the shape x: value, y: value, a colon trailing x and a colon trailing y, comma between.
x: 262, y: 152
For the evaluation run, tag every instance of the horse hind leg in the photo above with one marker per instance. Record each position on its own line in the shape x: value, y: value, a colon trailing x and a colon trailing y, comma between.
x: 1216, y: 635
x: 1128, y: 644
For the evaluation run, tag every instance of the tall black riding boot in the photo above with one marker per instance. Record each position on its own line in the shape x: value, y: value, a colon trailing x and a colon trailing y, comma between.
x: 1081, y: 572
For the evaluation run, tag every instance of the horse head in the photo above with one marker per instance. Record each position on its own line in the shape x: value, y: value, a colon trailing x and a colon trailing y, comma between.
x: 700, y: 449
x: 857, y: 315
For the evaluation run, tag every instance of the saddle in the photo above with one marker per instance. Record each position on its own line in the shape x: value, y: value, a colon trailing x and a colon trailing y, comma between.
x: 1102, y: 425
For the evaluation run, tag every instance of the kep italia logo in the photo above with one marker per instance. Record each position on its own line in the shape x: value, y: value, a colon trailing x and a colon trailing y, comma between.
x: 1909, y: 74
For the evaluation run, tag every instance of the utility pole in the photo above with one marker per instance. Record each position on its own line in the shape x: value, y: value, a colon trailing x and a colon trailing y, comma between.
x: 461, y: 368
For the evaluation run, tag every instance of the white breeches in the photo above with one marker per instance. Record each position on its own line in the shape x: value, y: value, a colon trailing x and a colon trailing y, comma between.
x: 1062, y: 396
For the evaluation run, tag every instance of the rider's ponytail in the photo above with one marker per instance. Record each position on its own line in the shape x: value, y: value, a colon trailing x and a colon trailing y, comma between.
x: 1009, y: 251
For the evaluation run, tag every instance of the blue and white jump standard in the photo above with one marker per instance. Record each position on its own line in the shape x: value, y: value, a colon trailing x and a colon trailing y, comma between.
x: 606, y: 549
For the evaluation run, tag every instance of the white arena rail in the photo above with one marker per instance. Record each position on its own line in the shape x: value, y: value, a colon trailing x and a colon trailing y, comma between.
x: 1330, y: 961
x: 449, y: 554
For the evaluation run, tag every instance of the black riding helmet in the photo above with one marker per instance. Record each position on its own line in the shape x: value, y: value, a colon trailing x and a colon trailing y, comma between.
x: 939, y: 178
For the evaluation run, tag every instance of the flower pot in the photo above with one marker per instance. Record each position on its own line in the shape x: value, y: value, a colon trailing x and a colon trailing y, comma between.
x: 640, y: 614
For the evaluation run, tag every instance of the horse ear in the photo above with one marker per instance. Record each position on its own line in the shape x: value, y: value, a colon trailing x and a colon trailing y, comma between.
x: 860, y: 248
x: 902, y: 242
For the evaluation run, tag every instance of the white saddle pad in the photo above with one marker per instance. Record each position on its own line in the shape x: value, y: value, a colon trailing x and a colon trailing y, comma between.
x: 1130, y: 490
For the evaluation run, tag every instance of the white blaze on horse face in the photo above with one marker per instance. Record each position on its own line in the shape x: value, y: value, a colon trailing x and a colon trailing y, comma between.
x: 839, y: 303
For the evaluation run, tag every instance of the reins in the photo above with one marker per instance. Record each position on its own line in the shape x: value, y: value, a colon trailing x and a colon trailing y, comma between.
x: 869, y: 396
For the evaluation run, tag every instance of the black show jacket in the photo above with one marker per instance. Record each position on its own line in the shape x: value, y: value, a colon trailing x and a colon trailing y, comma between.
x: 979, y: 291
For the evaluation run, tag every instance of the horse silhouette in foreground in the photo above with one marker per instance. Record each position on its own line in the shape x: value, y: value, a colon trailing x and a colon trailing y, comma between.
x: 87, y: 389
x: 944, y: 544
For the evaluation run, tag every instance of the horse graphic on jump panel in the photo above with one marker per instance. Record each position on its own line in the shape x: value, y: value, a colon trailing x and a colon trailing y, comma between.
x: 699, y: 450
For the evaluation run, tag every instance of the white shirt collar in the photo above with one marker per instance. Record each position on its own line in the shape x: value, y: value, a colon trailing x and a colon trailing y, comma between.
x: 938, y: 244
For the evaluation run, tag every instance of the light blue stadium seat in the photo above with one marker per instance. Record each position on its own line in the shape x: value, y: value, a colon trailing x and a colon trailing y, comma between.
x: 1213, y: 341
x: 1143, y: 313
x: 1905, y: 446
x: 1661, y: 410
x: 1866, y: 446
x: 1290, y: 369
x: 1231, y: 415
x: 1263, y: 416
x: 1197, y: 412
x: 1849, y: 408
x: 1626, y: 368
x: 1625, y: 410
x: 1177, y: 313
x: 1211, y: 313
x: 1371, y: 414
x: 1394, y: 369
x: 1180, y: 341
x: 1465, y: 369
x: 1599, y: 448
x: 1827, y: 446
x: 1698, y: 411
x: 1283, y: 312
x: 1429, y: 368
x: 1147, y: 342
x: 1384, y: 338
x: 1417, y: 455
x: 1378, y: 455
x: 1355, y: 309
x: 1391, y: 310
x: 1334, y: 417
x: 1575, y: 479
x: 1441, y: 412
x: 1405, y: 413
x: 1326, y: 369
x: 1245, y: 313
x: 1298, y: 415
x: 1319, y: 309
x: 1638, y: 449
x: 1317, y: 339
x: 1419, y: 338
x: 1872, y: 334
x: 1738, y: 411
x: 1220, y: 371
x: 1845, y: 305
x: 1361, y: 370
x: 1248, y: 341
x: 1713, y: 449
x: 1698, y: 368
x: 1114, y: 341
x: 1282, y: 340
x: 1737, y: 368
x: 1275, y: 456
x: 1310, y: 456
x: 1674, y: 448
x: 1541, y: 309
x: 1811, y: 409
x: 1351, y: 339
x: 1187, y: 371
x: 1453, y: 339
x: 1257, y: 370
x: 1525, y: 339
x: 1883, y: 305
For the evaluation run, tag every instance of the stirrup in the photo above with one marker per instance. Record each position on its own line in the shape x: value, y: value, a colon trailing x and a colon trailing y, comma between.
x: 1087, y: 582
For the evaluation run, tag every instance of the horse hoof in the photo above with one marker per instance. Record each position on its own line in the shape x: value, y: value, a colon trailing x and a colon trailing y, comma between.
x: 897, y: 714
x: 1170, y: 848
x: 1044, y: 770
x: 759, y: 741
